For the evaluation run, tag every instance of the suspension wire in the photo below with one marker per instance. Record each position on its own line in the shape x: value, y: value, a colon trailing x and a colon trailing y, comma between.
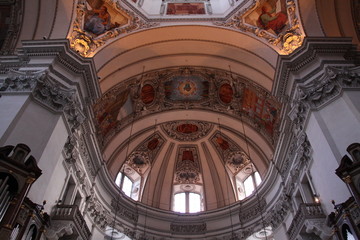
x: 226, y: 182
x: 148, y: 182
x: 252, y: 172
x: 118, y: 196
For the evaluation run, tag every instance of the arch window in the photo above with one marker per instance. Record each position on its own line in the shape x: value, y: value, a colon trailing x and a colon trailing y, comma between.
x: 246, y: 184
x: 187, y: 202
x: 129, y: 183
x: 188, y: 198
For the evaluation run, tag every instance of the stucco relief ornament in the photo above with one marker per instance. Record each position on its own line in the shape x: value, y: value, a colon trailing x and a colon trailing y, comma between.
x: 237, y: 161
x: 20, y: 81
x: 70, y: 150
x: 299, y: 111
x: 139, y: 161
x: 74, y: 115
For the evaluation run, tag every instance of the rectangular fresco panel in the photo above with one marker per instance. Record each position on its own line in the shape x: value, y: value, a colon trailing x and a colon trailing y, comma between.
x: 262, y: 110
x: 185, y: 8
x: 269, y: 15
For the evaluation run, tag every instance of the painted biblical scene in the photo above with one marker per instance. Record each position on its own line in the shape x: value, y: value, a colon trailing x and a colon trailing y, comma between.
x: 110, y: 111
x: 186, y: 88
x: 269, y: 15
x: 101, y: 17
x: 263, y: 111
x: 185, y: 8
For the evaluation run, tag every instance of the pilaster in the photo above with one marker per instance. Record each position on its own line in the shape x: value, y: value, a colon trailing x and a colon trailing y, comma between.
x: 52, y: 89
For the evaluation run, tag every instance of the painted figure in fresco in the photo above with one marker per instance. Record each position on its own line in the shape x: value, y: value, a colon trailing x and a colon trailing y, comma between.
x: 224, y: 145
x: 271, y: 20
x: 99, y: 21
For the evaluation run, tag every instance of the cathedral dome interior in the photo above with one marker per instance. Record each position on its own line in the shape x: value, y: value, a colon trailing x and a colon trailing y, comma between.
x: 179, y: 119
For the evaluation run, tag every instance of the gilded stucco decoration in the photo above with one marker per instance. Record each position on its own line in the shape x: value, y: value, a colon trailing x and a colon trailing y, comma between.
x: 275, y: 21
x: 99, y: 22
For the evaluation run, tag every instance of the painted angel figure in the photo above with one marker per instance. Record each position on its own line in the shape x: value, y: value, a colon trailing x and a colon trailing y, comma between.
x: 98, y: 21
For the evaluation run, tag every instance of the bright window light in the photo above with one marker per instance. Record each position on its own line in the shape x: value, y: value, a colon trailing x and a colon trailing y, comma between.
x: 118, y: 179
x: 194, y: 202
x: 249, y: 186
x: 127, y: 186
x: 257, y: 178
x: 180, y: 202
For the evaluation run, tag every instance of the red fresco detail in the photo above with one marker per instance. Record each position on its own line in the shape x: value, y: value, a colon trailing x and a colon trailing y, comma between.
x: 187, y: 128
x: 153, y: 144
x: 224, y: 145
x: 226, y: 93
x: 187, y: 155
x: 147, y: 94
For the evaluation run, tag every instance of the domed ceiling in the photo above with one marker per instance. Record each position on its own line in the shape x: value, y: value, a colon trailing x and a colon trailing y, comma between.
x: 187, y: 103
x: 188, y: 126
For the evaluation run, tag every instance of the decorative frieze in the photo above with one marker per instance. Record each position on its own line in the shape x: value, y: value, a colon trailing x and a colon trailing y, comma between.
x: 253, y: 211
x: 276, y: 215
x: 188, y: 228
x: 20, y: 81
x: 123, y: 211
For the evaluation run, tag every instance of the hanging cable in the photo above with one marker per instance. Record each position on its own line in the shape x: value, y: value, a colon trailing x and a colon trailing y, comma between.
x: 252, y: 174
x: 148, y: 182
x: 118, y: 196
x: 226, y: 182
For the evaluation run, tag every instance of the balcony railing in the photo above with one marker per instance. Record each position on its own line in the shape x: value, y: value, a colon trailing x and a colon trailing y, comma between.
x: 72, y: 213
x: 307, y: 211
